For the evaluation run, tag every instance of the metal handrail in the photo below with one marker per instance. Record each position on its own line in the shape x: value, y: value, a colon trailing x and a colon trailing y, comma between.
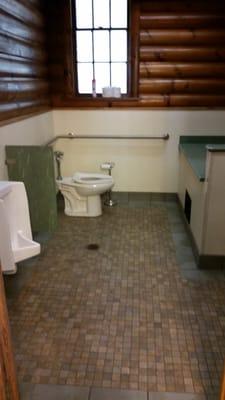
x: 73, y: 136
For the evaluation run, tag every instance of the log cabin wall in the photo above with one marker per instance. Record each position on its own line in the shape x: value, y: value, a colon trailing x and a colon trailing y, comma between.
x: 60, y: 50
x: 23, y: 59
x: 182, y: 53
x: 177, y: 55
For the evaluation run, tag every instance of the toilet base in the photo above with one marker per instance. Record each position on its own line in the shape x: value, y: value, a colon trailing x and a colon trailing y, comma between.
x: 83, y: 206
x: 84, y: 199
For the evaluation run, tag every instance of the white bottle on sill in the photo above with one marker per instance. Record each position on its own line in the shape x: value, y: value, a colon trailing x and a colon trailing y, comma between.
x: 94, y: 94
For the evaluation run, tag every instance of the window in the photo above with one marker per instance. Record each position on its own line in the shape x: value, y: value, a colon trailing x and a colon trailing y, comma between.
x: 101, y: 36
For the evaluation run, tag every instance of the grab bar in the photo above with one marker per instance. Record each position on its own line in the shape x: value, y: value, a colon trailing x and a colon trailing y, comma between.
x: 73, y: 136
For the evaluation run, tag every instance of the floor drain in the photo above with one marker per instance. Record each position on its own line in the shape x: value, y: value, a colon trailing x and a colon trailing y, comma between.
x: 93, y: 246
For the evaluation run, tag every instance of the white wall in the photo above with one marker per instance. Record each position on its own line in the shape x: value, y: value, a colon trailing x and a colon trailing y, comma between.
x: 31, y: 131
x: 140, y: 165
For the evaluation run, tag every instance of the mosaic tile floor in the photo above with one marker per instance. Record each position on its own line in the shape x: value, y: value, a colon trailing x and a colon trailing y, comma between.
x: 123, y: 316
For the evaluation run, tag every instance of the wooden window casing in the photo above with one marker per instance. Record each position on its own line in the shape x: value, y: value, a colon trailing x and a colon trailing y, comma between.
x: 109, y: 29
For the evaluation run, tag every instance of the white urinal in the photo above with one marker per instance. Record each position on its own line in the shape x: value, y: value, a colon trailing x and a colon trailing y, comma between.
x: 16, y: 242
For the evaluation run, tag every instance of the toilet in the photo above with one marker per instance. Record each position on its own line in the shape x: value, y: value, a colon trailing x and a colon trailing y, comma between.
x: 82, y: 192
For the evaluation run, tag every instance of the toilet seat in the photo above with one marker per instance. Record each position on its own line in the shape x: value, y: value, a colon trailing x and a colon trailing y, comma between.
x: 91, y: 178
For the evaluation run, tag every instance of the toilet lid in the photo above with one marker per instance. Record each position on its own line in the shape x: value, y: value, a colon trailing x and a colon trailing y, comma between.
x: 84, y: 177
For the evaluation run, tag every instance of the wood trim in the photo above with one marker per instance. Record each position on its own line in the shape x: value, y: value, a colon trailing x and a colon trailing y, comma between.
x: 2, y: 378
x: 134, y: 48
x: 183, y: 86
x: 90, y: 102
x: 181, y: 70
x: 29, y: 114
x: 179, y: 54
x: 8, y: 380
x: 183, y: 100
x: 181, y: 6
x: 178, y: 20
x: 69, y: 70
x: 222, y: 390
x: 173, y: 37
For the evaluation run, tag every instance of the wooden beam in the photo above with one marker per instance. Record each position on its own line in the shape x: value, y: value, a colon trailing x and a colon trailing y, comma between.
x: 134, y: 48
x: 222, y: 390
x: 2, y: 378
x: 172, y: 37
x: 181, y: 20
x: 8, y: 383
x: 181, y: 6
x: 182, y: 53
x: 181, y: 70
x: 21, y: 12
x: 182, y: 100
x: 169, y: 86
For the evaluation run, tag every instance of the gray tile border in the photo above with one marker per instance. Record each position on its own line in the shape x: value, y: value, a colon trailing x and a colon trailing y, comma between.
x: 117, y: 394
x: 138, y: 204
x: 174, y: 218
x: 59, y: 392
x: 181, y: 239
x: 202, y: 275
x: 178, y: 227
x: 157, y: 197
x: 184, y: 257
x: 212, y: 397
x: 184, y: 251
x: 26, y: 390
x: 189, y: 265
x: 174, y: 396
x: 121, y: 197
x: 139, y: 196
x: 166, y: 198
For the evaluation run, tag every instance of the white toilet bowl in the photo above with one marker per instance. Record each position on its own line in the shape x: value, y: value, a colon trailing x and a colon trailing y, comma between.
x: 82, y: 192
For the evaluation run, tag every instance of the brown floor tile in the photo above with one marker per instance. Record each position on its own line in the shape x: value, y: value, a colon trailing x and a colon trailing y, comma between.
x: 120, y: 317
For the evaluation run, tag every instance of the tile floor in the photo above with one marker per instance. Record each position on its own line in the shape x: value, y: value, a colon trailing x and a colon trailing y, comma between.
x: 133, y: 319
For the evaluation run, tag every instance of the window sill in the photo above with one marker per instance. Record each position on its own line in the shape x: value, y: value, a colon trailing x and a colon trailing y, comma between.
x: 95, y: 102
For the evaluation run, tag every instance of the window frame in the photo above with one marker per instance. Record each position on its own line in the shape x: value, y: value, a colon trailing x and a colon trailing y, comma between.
x: 75, y: 61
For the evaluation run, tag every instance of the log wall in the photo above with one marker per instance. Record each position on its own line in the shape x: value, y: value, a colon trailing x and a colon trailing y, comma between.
x: 177, y: 55
x: 23, y: 59
x: 60, y: 49
x: 181, y: 53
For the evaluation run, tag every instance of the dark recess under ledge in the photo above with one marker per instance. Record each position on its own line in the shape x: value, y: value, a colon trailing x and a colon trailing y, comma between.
x: 203, y: 261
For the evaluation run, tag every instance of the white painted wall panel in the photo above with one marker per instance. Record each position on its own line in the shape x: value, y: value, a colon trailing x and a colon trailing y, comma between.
x: 31, y: 131
x: 147, y: 166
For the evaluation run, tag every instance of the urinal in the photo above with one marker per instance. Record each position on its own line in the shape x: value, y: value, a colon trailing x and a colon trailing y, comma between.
x: 16, y: 243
